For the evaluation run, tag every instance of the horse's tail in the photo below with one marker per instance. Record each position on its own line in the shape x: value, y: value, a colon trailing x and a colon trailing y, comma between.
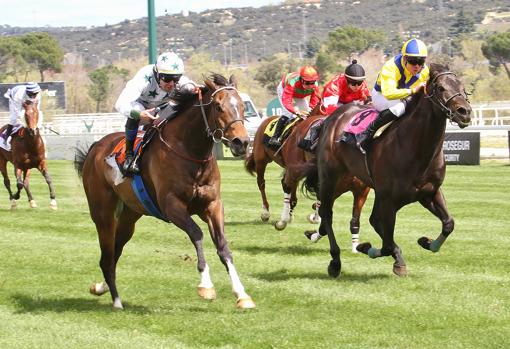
x: 249, y: 164
x: 311, y: 183
x: 80, y: 155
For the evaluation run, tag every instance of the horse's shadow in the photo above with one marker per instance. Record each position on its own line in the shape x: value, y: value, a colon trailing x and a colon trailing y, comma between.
x: 284, y: 275
x: 291, y: 250
x: 252, y: 222
x: 29, y: 304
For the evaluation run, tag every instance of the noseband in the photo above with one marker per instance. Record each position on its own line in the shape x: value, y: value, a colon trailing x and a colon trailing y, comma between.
x: 434, y: 98
x: 218, y: 134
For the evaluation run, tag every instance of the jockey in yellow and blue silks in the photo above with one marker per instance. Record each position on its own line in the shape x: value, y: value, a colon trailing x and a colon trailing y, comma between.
x: 401, y: 76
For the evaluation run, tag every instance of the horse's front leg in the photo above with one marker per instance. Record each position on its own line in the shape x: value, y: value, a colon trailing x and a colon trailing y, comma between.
x: 288, y: 200
x: 26, y: 185
x: 47, y: 178
x: 360, y: 194
x: 19, y: 183
x: 214, y: 218
x: 7, y: 181
x: 437, y: 205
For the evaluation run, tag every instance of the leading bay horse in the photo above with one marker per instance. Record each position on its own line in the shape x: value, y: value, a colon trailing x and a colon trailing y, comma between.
x: 403, y: 166
x: 180, y: 175
x: 294, y: 160
x: 27, y: 152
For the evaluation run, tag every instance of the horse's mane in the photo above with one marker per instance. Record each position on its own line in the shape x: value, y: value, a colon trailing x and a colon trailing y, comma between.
x: 436, y: 68
x: 183, y: 98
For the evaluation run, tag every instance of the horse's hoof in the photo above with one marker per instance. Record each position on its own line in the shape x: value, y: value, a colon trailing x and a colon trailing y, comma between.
x: 16, y: 196
x: 265, y: 216
x: 13, y: 204
x: 364, y: 247
x: 99, y: 288
x: 314, y: 218
x: 245, y: 303
x: 117, y: 304
x: 33, y: 204
x: 355, y: 247
x: 207, y: 293
x: 280, y: 225
x: 313, y: 235
x: 425, y: 242
x: 53, y: 204
x: 400, y: 270
x: 334, y: 269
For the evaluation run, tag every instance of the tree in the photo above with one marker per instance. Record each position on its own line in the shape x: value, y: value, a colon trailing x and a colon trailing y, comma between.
x: 327, y: 65
x: 101, y: 86
x: 43, y: 51
x: 497, y: 50
x: 270, y: 71
x: 464, y: 24
x: 344, y: 41
x: 12, y: 62
x: 312, y: 47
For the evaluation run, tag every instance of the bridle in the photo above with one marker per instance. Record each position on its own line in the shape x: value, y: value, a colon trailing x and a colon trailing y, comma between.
x: 443, y: 105
x: 218, y: 134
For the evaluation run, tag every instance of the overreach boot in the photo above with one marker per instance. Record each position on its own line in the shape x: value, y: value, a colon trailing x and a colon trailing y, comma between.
x: 275, y: 139
x: 364, y: 138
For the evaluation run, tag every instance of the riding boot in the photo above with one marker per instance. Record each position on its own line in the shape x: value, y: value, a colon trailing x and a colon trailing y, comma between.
x: 130, y: 166
x: 364, y: 138
x: 275, y: 139
x: 8, y: 132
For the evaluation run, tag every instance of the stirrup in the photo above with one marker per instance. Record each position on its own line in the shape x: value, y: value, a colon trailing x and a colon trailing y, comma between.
x: 274, y: 141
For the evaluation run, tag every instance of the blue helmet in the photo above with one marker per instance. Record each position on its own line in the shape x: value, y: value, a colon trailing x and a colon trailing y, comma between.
x: 33, y: 87
x: 414, y: 48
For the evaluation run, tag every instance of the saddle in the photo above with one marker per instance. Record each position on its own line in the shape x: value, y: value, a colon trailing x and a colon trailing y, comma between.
x: 270, y: 128
x: 311, y: 138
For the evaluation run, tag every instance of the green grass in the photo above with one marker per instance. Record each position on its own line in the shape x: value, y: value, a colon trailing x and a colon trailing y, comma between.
x: 457, y: 298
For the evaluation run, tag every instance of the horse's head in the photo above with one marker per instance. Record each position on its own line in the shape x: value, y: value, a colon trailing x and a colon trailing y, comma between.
x: 447, y: 92
x: 31, y: 116
x: 226, y: 111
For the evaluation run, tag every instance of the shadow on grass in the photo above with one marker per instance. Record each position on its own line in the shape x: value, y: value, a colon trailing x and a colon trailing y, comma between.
x: 30, y: 304
x: 284, y: 275
x: 292, y: 250
x: 252, y: 222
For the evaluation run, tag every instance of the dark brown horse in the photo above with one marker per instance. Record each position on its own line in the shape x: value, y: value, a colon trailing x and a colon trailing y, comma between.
x: 27, y: 152
x: 180, y: 175
x: 294, y: 159
x: 405, y: 165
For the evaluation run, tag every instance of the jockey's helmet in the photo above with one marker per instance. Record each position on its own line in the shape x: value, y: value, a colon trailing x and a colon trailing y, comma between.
x: 169, y: 63
x: 32, y: 88
x: 414, y: 48
x: 308, y: 73
x: 355, y: 71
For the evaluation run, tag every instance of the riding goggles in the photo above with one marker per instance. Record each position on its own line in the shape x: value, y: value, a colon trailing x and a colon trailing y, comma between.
x: 354, y: 82
x: 304, y: 82
x: 170, y: 77
x: 416, y: 60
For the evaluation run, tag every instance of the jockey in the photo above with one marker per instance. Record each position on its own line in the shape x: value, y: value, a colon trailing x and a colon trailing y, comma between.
x: 345, y: 88
x: 17, y: 96
x: 153, y: 86
x: 401, y: 76
x: 292, y: 93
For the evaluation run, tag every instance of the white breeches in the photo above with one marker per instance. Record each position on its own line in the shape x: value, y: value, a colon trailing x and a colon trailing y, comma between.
x: 299, y: 103
x: 380, y: 103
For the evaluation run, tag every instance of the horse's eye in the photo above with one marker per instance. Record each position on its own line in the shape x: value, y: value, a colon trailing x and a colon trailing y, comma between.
x: 218, y: 109
x: 441, y: 89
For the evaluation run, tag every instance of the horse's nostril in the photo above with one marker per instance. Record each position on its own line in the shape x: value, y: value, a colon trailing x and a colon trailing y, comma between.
x: 462, y: 111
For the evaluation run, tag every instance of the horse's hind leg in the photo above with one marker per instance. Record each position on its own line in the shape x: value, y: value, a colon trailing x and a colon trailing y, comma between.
x: 47, y: 178
x: 214, y: 218
x: 19, y: 183
x: 437, y: 205
x: 7, y: 181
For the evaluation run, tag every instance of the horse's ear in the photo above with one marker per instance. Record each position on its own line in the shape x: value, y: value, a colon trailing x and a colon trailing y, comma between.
x: 208, y: 83
x: 232, y: 81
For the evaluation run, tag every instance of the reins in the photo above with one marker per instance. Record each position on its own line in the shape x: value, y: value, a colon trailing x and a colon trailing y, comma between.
x: 443, y: 105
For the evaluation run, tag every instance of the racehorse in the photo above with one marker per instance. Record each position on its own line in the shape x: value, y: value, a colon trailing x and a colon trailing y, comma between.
x: 294, y: 159
x: 27, y: 152
x: 180, y: 175
x: 403, y: 166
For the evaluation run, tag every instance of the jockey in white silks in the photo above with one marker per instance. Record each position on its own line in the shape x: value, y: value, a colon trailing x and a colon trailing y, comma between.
x: 153, y: 86
x: 17, y: 95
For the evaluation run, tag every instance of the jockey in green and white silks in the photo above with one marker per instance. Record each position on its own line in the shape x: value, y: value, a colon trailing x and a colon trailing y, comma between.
x: 17, y: 95
x: 152, y: 86
x: 401, y: 76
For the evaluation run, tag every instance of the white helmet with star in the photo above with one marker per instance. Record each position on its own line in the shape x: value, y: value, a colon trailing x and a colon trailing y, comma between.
x: 169, y: 63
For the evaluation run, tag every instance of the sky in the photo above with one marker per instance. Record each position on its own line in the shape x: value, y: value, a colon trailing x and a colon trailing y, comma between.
x: 59, y: 13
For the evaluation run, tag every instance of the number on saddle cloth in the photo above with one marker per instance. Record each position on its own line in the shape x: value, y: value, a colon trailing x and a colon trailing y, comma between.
x: 361, y: 120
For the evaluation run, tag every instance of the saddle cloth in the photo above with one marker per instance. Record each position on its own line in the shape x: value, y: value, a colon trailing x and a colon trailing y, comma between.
x: 360, y: 121
x: 119, y: 151
x: 270, y: 128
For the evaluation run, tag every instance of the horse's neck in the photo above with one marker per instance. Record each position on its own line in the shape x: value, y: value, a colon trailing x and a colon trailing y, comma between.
x: 424, y: 128
x: 188, y: 131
